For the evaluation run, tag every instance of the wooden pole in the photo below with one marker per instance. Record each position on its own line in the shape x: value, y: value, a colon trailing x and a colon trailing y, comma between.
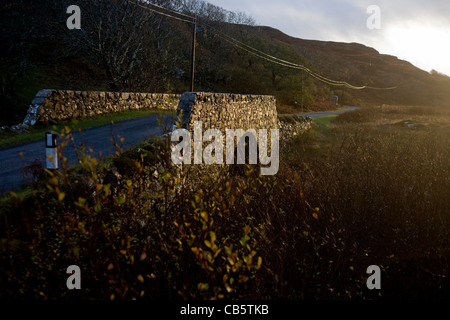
x: 194, y: 32
x: 302, y: 90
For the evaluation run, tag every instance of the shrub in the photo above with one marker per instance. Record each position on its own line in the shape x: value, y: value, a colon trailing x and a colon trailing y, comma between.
x: 139, y: 227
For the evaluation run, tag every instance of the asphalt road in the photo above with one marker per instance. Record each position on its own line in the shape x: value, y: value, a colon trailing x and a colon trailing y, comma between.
x: 99, y: 139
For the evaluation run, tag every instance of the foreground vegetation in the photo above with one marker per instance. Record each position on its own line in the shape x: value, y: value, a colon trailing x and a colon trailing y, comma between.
x: 363, y: 189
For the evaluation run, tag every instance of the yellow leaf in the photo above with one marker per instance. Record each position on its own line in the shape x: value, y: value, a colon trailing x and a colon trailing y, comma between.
x: 204, y: 215
x: 315, y: 216
x: 61, y: 196
x: 195, y: 250
x: 258, y: 264
x: 212, y: 235
x: 140, y: 278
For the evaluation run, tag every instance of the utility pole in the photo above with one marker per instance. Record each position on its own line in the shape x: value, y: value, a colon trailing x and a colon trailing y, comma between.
x: 301, y: 103
x: 194, y: 33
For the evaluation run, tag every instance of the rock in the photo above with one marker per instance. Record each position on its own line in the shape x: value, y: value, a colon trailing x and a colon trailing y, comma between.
x: 19, y: 129
x: 31, y: 117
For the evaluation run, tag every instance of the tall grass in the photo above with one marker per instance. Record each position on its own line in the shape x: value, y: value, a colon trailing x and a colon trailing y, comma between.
x: 358, y: 194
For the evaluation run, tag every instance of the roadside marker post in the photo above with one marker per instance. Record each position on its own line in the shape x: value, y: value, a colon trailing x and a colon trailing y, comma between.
x: 51, y: 150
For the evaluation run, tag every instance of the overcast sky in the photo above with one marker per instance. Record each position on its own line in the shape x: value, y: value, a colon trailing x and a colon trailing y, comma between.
x: 414, y: 30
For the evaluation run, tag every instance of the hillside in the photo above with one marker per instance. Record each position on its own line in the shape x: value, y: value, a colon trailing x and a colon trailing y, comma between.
x: 361, y: 65
x: 139, y: 50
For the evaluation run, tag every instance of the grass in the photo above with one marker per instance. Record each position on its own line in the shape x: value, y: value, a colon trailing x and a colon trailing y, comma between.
x: 312, y: 144
x: 8, y: 139
x: 324, y: 124
x: 360, y: 189
x: 387, y: 185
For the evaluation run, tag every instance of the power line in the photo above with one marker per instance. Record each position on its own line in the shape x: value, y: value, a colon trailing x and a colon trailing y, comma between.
x: 289, y: 64
x: 375, y: 88
x: 285, y: 63
x: 266, y: 54
x: 257, y: 52
x: 160, y: 7
x: 164, y: 14
x: 194, y: 31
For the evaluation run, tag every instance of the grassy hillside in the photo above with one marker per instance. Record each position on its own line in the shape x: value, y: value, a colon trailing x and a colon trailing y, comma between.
x: 362, y: 65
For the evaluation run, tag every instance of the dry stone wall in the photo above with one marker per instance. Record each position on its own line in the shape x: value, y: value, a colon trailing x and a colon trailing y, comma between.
x: 293, y: 126
x: 216, y: 110
x: 228, y: 111
x: 234, y: 111
x: 66, y: 104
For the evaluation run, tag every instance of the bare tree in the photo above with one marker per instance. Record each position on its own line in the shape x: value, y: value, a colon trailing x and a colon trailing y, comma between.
x: 114, y: 31
x: 129, y: 41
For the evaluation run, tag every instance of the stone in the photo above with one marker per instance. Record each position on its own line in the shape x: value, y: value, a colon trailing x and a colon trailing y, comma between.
x: 19, y: 129
x: 67, y: 104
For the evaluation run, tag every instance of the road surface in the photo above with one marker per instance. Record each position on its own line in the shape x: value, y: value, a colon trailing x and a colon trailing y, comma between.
x: 99, y: 139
